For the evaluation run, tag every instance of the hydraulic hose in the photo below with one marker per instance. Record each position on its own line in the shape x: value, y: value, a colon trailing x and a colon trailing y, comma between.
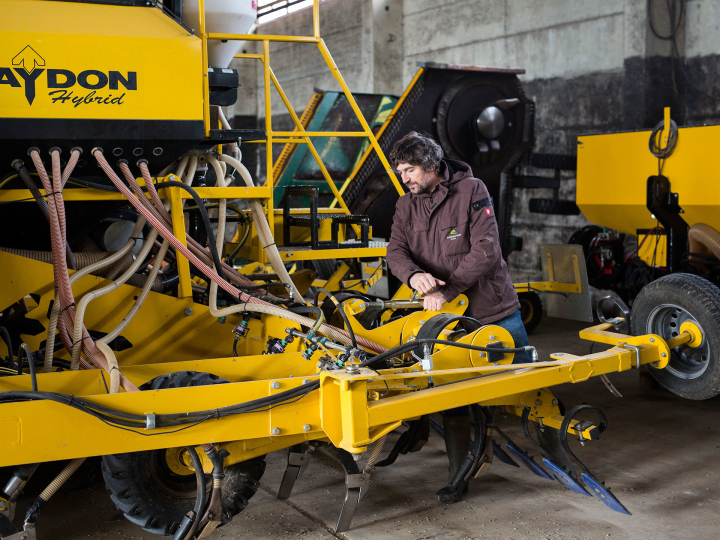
x: 201, y: 498
x: 262, y: 227
x: 112, y: 258
x: 250, y: 303
x: 8, y: 343
x: 149, y: 283
x: 338, y: 306
x: 89, y: 297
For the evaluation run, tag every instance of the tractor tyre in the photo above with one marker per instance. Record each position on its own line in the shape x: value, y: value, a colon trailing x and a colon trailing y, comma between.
x: 531, y: 310
x: 660, y: 308
x: 154, y: 489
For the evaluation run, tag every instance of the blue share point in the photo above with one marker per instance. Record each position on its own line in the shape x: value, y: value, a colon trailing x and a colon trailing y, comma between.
x: 604, y: 494
x: 565, y: 479
x: 499, y: 453
x: 527, y: 461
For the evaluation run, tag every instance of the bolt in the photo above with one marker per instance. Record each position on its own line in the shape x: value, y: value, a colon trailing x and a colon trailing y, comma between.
x: 491, y: 337
x: 274, y: 385
x: 482, y: 355
x: 421, y: 322
x: 414, y: 371
x: 462, y: 302
x: 275, y: 431
x: 554, y: 401
x: 171, y: 178
x: 362, y: 305
x: 538, y: 403
x: 188, y: 311
x: 495, y: 364
x: 289, y: 255
x: 3, y: 505
x: 320, y: 364
x: 663, y: 355
x: 305, y: 381
x: 307, y: 427
x: 356, y: 457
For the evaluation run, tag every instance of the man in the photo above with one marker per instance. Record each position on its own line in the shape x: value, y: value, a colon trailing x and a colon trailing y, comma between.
x: 445, y: 242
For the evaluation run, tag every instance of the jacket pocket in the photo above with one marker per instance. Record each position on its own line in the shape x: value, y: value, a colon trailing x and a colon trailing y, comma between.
x: 419, y: 225
x: 455, y: 237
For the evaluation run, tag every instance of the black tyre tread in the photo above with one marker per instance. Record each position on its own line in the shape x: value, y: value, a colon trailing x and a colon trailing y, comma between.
x: 143, y: 503
x: 558, y: 207
x: 703, y: 294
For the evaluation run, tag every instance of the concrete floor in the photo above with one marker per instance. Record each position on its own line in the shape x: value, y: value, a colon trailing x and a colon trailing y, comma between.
x: 659, y: 456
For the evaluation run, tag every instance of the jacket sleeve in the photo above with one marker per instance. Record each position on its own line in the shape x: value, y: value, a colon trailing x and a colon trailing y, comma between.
x: 398, y: 253
x: 484, y: 249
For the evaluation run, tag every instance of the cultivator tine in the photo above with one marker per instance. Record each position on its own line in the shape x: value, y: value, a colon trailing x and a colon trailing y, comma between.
x: 502, y: 455
x: 296, y: 464
x: 596, y: 487
x: 522, y: 457
x: 356, y: 484
x: 564, y: 478
x: 526, y: 460
x: 412, y: 440
x: 603, y: 493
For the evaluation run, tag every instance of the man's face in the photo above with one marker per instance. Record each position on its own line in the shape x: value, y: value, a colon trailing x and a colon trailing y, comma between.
x: 416, y: 179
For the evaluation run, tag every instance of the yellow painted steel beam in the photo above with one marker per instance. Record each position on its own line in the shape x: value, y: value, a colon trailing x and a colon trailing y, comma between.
x: 261, y: 37
x: 90, y: 194
x: 40, y: 431
x: 204, y: 68
x: 178, y: 223
x: 342, y: 253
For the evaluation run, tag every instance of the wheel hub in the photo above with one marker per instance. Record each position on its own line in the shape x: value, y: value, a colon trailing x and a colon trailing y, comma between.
x: 691, y: 359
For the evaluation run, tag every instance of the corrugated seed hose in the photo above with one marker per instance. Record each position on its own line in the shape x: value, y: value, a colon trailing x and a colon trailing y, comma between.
x: 704, y: 235
x: 249, y: 303
x: 56, y: 208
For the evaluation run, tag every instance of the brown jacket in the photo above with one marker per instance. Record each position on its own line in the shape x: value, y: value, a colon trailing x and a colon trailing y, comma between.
x: 452, y: 234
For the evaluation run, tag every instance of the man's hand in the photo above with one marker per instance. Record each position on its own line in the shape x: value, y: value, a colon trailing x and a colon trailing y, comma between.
x: 425, y: 283
x: 434, y: 301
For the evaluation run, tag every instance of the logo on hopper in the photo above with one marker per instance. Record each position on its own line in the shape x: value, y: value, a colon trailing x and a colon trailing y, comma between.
x: 28, y: 66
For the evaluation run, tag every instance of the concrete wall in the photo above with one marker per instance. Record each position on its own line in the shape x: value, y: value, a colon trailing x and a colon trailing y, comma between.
x: 591, y: 66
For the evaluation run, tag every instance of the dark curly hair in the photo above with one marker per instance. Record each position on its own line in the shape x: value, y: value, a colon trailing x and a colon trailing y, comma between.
x: 417, y: 149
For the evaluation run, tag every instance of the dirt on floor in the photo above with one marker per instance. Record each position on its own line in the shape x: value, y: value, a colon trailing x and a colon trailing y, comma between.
x: 659, y: 456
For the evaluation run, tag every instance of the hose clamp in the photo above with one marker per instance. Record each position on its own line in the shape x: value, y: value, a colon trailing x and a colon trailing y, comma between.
x: 149, y: 420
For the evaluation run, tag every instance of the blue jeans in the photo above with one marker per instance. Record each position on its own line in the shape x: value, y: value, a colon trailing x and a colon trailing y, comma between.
x: 513, y: 324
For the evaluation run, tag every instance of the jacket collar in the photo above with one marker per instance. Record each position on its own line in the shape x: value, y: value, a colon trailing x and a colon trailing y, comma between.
x: 452, y: 171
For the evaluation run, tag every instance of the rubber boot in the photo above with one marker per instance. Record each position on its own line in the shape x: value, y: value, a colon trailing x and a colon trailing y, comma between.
x: 457, y: 442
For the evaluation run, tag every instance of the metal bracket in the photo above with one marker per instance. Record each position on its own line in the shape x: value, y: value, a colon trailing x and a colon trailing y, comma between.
x: 637, y: 352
